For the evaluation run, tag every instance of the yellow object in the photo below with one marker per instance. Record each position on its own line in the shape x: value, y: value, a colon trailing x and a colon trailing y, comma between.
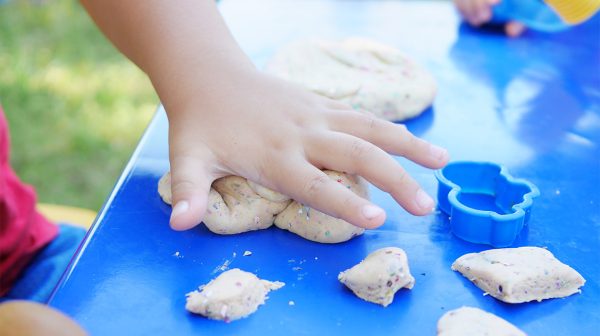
x: 66, y: 214
x: 574, y: 11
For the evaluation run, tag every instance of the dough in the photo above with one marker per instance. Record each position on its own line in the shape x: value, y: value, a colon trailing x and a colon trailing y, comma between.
x: 235, y: 208
x: 236, y: 205
x: 232, y: 295
x: 517, y: 275
x: 164, y: 188
x: 317, y: 226
x: 362, y: 73
x: 379, y: 276
x: 469, y: 321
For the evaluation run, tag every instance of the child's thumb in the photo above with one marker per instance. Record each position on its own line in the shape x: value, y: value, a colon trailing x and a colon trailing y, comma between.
x: 190, y: 185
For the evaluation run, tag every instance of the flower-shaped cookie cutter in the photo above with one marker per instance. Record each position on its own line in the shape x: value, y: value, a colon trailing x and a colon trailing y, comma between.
x: 485, y: 203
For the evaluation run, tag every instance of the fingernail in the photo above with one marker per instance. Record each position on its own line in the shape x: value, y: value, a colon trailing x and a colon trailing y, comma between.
x: 371, y: 211
x: 424, y: 201
x: 437, y: 152
x: 180, y: 207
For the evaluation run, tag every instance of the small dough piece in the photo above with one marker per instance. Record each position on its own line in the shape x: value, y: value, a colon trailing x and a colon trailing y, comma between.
x: 365, y: 74
x: 522, y: 274
x: 379, y: 276
x: 469, y: 321
x: 317, y: 226
x: 232, y: 295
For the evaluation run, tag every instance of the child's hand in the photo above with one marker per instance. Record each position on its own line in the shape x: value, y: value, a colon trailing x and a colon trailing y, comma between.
x: 280, y: 136
x: 226, y: 118
x: 479, y: 12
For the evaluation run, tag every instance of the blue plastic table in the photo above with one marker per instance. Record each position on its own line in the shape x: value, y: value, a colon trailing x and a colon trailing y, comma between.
x: 530, y: 103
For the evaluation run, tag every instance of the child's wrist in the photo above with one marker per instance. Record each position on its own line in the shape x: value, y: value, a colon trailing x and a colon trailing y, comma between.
x: 204, y: 91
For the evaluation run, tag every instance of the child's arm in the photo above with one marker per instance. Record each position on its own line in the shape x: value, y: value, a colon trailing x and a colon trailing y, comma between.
x: 227, y: 118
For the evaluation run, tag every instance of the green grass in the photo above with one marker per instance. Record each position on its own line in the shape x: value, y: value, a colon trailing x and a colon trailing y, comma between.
x: 76, y: 107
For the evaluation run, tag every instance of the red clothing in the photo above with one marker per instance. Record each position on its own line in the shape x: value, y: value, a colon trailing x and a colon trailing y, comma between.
x: 23, y: 231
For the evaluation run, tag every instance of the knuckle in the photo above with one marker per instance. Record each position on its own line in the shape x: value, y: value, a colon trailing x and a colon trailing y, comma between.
x: 349, y: 201
x: 180, y: 188
x: 315, y: 185
x: 402, y: 128
x: 398, y: 182
x: 372, y: 122
x: 368, y: 120
x: 412, y: 141
x: 358, y: 149
x: 341, y: 208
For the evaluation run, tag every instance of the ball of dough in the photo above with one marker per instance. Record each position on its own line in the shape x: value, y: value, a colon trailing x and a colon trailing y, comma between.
x: 377, y: 278
x: 317, y: 226
x: 236, y: 205
x: 230, y: 296
x: 469, y: 321
x: 362, y: 73
x: 233, y: 206
x: 517, y: 275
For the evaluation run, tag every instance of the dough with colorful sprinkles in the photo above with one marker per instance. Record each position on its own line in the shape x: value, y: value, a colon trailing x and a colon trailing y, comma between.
x: 317, y: 226
x: 377, y: 278
x: 232, y: 295
x: 522, y: 274
x: 365, y: 74
x: 233, y: 206
x: 236, y: 205
x: 164, y: 188
x: 469, y: 321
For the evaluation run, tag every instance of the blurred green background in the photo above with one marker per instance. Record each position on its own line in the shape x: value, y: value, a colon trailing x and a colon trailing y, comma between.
x: 76, y: 107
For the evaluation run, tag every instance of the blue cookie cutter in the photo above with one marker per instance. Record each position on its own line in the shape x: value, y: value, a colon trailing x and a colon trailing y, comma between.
x: 485, y: 203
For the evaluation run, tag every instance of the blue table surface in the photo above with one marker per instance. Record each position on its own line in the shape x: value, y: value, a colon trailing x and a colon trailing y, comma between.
x: 530, y: 103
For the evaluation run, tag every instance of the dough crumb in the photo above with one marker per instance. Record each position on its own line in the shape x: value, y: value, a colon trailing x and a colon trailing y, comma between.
x: 379, y: 276
x: 291, y: 303
x: 232, y: 295
x: 247, y: 253
x: 516, y: 275
x: 469, y: 321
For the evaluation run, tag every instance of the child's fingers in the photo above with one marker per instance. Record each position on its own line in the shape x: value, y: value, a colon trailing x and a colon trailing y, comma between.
x: 475, y: 12
x: 392, y: 138
x: 470, y: 11
x: 483, y: 12
x: 309, y: 185
x: 514, y: 29
x: 461, y: 6
x: 190, y: 185
x: 343, y: 152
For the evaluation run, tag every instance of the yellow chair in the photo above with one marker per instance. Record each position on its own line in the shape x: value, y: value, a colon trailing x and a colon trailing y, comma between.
x: 67, y: 214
